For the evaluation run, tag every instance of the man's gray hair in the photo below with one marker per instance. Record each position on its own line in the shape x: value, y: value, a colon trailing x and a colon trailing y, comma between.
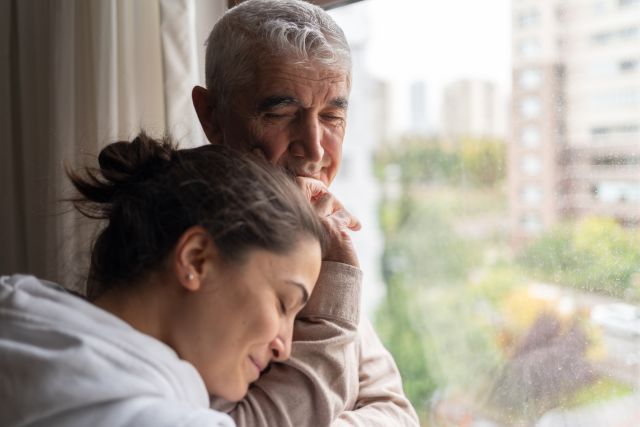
x: 292, y: 30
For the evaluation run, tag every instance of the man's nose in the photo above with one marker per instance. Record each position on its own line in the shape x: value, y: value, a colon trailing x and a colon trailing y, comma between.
x: 307, y: 142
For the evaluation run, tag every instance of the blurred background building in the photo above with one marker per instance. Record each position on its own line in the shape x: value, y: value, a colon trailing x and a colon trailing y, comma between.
x: 575, y: 112
x: 472, y: 108
x: 418, y: 104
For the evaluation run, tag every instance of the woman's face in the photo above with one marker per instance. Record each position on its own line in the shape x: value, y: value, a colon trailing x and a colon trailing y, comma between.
x: 242, y: 317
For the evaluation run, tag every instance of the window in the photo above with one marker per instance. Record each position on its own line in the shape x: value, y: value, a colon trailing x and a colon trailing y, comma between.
x: 623, y: 130
x: 610, y: 68
x: 603, y: 68
x: 530, y: 78
x: 530, y: 107
x: 531, y: 223
x: 627, y: 33
x: 601, y: 38
x: 531, y: 165
x: 531, y: 195
x: 529, y: 48
x: 491, y: 243
x: 530, y: 137
x: 620, y: 98
x: 599, y: 6
x: 528, y: 18
x: 616, y: 161
x: 628, y: 65
x: 617, y: 191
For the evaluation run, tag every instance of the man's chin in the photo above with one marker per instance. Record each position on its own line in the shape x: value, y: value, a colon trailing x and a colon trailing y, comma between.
x: 320, y: 178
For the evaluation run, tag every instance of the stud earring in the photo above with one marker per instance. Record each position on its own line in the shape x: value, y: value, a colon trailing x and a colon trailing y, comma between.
x: 190, y: 276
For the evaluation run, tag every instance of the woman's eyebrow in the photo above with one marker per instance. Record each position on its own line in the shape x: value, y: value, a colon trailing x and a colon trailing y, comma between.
x: 303, y: 290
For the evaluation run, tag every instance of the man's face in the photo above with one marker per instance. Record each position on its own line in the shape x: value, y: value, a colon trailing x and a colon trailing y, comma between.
x: 295, y: 114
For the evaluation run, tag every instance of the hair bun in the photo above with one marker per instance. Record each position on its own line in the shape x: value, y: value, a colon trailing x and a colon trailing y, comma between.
x: 126, y: 162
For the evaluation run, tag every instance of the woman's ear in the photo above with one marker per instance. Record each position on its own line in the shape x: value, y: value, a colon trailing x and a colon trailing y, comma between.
x: 192, y: 257
x: 207, y: 114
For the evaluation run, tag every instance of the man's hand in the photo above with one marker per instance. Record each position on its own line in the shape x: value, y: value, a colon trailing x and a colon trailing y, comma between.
x: 336, y: 219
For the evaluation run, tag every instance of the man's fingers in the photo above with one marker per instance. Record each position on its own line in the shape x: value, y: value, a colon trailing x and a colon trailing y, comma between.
x: 325, y: 204
x: 312, y: 188
x: 346, y: 220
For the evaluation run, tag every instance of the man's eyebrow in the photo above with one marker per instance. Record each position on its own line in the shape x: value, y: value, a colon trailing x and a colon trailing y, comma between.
x: 305, y: 293
x: 340, y: 102
x: 272, y: 102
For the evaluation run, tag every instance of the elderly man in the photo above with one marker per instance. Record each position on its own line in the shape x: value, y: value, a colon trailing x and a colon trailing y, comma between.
x: 278, y: 75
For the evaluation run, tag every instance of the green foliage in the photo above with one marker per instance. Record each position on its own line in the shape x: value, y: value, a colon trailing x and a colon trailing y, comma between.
x: 425, y: 249
x: 449, y: 314
x: 424, y: 255
x: 599, y: 391
x: 395, y: 323
x: 421, y: 160
x: 423, y: 252
x: 461, y: 345
x: 483, y: 161
x: 496, y: 283
x: 480, y: 163
x: 594, y: 254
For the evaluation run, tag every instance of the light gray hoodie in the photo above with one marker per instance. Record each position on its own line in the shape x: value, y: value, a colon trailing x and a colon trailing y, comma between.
x: 65, y: 362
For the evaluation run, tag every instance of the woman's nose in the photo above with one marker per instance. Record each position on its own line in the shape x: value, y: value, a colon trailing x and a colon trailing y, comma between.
x: 281, y: 347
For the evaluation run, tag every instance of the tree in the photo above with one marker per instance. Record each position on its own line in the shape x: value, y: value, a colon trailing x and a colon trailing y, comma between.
x: 594, y: 254
x: 483, y: 161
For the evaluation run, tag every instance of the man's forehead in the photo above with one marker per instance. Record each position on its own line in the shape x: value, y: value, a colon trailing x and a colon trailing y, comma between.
x: 275, y: 71
x: 290, y: 84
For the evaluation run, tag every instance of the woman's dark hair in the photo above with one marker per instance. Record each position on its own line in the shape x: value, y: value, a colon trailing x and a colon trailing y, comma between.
x: 150, y: 192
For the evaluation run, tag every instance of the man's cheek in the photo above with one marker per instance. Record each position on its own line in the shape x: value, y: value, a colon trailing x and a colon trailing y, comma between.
x: 274, y: 153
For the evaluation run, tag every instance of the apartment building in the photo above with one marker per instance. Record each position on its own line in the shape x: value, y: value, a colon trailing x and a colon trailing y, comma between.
x: 472, y: 108
x: 575, y: 112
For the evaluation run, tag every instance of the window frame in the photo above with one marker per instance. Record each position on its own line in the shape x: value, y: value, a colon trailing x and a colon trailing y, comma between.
x: 325, y: 4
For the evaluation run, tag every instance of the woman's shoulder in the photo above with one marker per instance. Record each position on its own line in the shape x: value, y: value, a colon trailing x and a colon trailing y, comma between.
x: 65, y: 351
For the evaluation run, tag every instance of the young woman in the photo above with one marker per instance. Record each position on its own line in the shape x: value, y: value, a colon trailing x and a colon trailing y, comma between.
x: 205, y: 258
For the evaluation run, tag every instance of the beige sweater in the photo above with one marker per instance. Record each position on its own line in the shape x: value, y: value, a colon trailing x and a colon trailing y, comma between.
x: 339, y: 373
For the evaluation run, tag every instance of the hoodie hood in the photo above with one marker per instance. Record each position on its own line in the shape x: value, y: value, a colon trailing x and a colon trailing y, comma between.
x: 60, y: 354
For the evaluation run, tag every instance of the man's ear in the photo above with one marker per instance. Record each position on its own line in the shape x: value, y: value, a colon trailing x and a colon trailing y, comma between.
x: 192, y: 257
x: 207, y: 114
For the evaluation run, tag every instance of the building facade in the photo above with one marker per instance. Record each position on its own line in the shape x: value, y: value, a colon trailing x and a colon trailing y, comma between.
x: 575, y: 112
x: 472, y: 108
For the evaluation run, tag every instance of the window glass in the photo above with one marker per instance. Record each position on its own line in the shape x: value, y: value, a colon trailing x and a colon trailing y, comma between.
x: 530, y: 78
x: 528, y: 18
x: 617, y: 191
x: 530, y: 107
x: 500, y: 203
x: 530, y: 136
x: 529, y: 48
x: 531, y: 223
x: 531, y: 195
x: 618, y: 98
x: 531, y: 165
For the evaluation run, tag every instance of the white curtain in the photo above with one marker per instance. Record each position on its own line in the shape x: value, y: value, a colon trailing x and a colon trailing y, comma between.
x: 74, y: 76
